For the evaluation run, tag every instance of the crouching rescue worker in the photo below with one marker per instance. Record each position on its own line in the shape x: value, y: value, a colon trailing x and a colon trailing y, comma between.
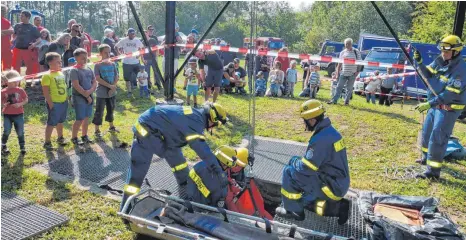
x: 205, y: 187
x: 447, y: 76
x: 163, y: 130
x: 319, y: 180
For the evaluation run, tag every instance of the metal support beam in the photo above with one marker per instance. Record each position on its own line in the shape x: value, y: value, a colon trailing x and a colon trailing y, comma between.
x: 157, y: 73
x: 169, y: 84
x: 459, y: 18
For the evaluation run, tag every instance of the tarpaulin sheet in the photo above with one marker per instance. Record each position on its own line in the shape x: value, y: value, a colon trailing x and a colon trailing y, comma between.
x: 436, y: 224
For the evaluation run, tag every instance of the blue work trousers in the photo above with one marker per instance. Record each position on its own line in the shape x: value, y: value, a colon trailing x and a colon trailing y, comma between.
x: 438, y: 126
x: 142, y: 151
x: 295, y: 183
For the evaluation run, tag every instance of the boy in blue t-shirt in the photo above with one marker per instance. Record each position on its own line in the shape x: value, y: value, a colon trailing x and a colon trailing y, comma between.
x: 261, y: 84
x: 291, y: 78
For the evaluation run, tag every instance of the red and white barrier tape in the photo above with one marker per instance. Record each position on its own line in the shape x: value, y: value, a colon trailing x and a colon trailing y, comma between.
x: 386, y: 76
x: 242, y: 51
x: 299, y: 56
x: 392, y: 95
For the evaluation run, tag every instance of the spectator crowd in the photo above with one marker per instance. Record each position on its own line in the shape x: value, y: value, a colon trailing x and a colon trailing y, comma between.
x: 91, y: 93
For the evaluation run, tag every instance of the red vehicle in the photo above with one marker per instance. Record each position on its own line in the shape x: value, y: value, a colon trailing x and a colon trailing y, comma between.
x: 270, y: 43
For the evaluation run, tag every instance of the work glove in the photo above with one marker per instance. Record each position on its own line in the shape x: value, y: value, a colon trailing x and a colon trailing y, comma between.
x: 423, y: 106
x: 417, y: 56
x: 221, y: 176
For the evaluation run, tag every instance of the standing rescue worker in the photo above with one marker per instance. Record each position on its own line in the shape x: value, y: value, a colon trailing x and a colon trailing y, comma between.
x: 205, y: 187
x: 447, y: 76
x: 319, y: 180
x: 164, y: 130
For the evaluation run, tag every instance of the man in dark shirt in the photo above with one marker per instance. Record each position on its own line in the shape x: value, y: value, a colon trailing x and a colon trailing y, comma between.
x: 240, y: 75
x: 26, y: 37
x: 213, y: 78
x: 152, y: 39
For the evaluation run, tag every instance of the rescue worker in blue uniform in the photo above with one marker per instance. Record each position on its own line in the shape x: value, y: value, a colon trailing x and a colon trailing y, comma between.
x: 204, y: 187
x: 164, y: 130
x: 447, y: 76
x: 319, y: 180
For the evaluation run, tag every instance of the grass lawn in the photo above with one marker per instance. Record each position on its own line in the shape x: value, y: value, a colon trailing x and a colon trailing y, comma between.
x: 381, y: 143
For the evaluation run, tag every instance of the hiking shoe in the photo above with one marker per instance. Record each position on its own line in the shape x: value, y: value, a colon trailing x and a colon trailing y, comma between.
x: 48, y: 146
x: 113, y: 129
x: 428, y: 175
x: 195, y: 105
x: 346, y: 103
x: 22, y: 151
x: 76, y: 141
x: 288, y: 214
x: 330, y: 102
x: 98, y: 134
x: 5, y: 150
x: 62, y: 141
x: 86, y: 140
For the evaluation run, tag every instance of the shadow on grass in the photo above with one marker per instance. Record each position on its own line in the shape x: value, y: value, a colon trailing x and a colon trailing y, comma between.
x: 390, y: 115
x: 12, y: 175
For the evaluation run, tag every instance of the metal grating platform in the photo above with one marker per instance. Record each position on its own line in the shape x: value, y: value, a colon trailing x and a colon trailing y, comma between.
x: 355, y: 227
x: 272, y: 155
x: 110, y: 167
x: 22, y: 219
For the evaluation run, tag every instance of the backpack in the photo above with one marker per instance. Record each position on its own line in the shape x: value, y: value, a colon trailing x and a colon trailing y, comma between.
x: 42, y: 51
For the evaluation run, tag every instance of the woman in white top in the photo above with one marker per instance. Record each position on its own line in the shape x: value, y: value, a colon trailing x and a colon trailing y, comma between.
x: 371, y: 88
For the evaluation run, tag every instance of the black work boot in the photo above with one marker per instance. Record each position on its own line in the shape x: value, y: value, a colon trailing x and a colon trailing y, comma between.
x: 288, y: 214
x: 428, y: 175
x: 343, y: 211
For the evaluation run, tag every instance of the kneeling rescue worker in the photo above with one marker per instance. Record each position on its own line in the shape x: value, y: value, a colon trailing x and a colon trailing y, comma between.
x: 205, y: 187
x: 319, y: 180
x: 447, y: 76
x: 163, y: 130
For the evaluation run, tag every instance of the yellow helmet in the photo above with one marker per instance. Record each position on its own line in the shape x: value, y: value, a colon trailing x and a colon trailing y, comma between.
x: 216, y: 113
x: 311, y: 109
x: 450, y: 43
x: 231, y: 157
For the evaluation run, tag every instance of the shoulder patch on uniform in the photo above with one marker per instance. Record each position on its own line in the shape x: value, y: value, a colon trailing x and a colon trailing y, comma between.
x: 309, y: 153
x: 457, y: 84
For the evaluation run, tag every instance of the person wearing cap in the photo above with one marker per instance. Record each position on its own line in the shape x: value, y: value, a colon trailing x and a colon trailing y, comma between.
x: 261, y: 84
x: 131, y: 65
x: 213, y: 77
x: 228, y: 80
x: 318, y: 180
x: 153, y: 42
x: 447, y: 77
x: 191, y: 82
x: 204, y: 187
x: 163, y: 130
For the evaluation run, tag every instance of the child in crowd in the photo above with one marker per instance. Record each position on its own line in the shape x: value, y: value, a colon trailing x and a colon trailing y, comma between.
x: 371, y: 88
x: 84, y: 85
x: 142, y: 79
x: 106, y: 76
x: 56, y: 97
x: 261, y: 84
x: 191, y: 83
x: 13, y: 100
x: 314, y: 82
x: 333, y: 87
x: 276, y: 77
x: 291, y: 77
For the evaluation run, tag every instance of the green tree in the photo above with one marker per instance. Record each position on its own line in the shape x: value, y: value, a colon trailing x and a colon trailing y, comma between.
x: 431, y: 20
